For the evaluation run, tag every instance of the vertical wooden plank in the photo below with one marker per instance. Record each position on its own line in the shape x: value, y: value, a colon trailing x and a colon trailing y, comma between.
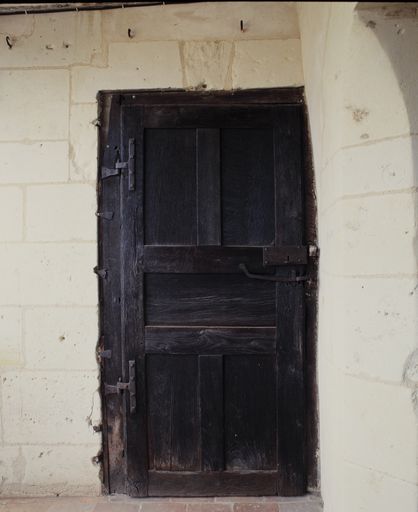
x: 109, y: 294
x: 288, y: 177
x: 211, y: 412
x: 250, y: 412
x: 208, y: 187
x: 247, y: 187
x: 290, y: 306
x: 185, y: 421
x: 170, y: 186
x: 132, y: 321
x: 173, y: 412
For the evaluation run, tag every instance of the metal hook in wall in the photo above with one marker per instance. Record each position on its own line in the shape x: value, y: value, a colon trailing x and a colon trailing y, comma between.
x: 131, y: 33
x: 9, y: 42
x: 241, y: 23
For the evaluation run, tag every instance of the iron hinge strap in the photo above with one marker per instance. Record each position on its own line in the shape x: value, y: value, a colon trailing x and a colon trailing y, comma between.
x: 130, y: 386
x: 107, y: 172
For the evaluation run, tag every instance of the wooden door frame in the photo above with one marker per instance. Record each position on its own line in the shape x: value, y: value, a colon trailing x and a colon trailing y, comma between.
x: 113, y: 470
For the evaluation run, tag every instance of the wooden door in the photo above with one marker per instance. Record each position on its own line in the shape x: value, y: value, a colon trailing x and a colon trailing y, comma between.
x: 204, y: 313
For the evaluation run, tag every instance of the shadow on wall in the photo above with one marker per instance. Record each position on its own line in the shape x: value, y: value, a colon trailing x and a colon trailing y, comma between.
x: 396, y: 28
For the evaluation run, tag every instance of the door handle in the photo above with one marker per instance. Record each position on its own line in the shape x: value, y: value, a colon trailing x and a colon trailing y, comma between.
x: 265, y: 277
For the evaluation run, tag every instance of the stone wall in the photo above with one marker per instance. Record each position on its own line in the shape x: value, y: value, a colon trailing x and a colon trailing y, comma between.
x: 48, y: 145
x: 361, y: 85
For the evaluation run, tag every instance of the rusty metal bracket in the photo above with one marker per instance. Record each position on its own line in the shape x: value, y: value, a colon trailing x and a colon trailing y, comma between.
x: 105, y: 215
x: 107, y: 172
x: 101, y: 272
x: 130, y: 386
x: 105, y: 354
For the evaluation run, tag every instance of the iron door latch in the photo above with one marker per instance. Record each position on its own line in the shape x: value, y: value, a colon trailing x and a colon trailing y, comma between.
x: 128, y: 386
x: 107, y: 172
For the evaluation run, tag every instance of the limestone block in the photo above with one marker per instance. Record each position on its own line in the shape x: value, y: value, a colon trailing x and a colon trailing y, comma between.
x: 67, y: 470
x: 390, y: 109
x: 10, y: 469
x: 34, y: 104
x: 83, y: 142
x: 48, y: 407
x: 379, y: 428
x: 33, y: 162
x: 131, y: 66
x: 54, y: 340
x: 371, y: 235
x: 207, y: 63
x: 267, y: 64
x: 11, y: 214
x: 51, y: 40
x: 11, y: 336
x: 368, y: 490
x: 377, y: 326
x: 206, y: 21
x: 380, y: 167
x: 61, y: 212
x: 48, y: 274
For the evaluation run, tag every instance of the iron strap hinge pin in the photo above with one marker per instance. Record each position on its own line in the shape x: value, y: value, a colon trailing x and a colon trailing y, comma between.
x: 101, y: 272
x: 105, y: 215
x: 105, y: 354
x: 128, y: 386
x: 107, y: 172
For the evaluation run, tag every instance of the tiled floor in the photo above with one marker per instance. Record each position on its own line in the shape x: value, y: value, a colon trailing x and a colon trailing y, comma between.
x: 125, y: 504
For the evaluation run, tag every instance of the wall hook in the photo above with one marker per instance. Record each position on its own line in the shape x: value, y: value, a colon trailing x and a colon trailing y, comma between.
x: 241, y: 24
x: 131, y: 33
x: 9, y: 42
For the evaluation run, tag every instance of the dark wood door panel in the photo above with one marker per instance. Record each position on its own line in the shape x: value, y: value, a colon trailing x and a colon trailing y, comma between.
x: 170, y: 187
x: 173, y: 412
x: 212, y: 300
x: 207, y: 340
x: 250, y: 412
x: 247, y: 187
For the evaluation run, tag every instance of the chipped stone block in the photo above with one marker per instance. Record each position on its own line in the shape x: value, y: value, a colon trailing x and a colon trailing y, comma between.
x: 11, y: 214
x: 49, y: 274
x: 377, y: 322
x: 38, y: 112
x: 383, y: 166
x: 379, y: 56
x: 365, y: 489
x: 53, y: 340
x: 209, y: 21
x: 207, y: 64
x: 267, y: 64
x: 83, y: 142
x: 60, y: 465
x: 49, y: 407
x: 33, y: 162
x: 131, y: 66
x: 379, y: 428
x: 51, y: 40
x: 61, y: 212
x: 370, y: 235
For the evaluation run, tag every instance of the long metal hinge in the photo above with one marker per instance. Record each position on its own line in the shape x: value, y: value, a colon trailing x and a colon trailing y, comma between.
x: 107, y: 172
x: 130, y: 386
